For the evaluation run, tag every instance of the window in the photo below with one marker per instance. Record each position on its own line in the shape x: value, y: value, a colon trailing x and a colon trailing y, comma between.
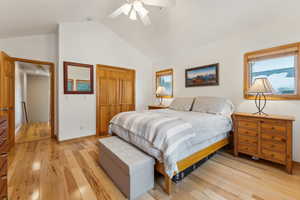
x: 165, y: 79
x: 280, y: 65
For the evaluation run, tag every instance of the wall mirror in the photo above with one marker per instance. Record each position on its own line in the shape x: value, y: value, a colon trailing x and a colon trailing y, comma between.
x: 78, y: 78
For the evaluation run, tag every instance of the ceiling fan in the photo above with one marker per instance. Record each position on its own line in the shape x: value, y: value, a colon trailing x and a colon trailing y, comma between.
x: 135, y: 9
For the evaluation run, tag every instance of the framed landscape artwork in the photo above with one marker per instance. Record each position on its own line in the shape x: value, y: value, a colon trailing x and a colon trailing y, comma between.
x: 202, y: 76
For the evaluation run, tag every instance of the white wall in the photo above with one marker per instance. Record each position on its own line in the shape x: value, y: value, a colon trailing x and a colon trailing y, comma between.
x: 93, y: 43
x: 20, y: 93
x: 37, y: 47
x: 229, y: 53
x: 38, y: 98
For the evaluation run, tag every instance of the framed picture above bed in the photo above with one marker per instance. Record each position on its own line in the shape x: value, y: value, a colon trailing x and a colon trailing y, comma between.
x: 202, y: 76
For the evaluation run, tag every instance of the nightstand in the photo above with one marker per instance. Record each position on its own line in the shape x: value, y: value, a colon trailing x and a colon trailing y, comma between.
x: 267, y: 137
x: 156, y: 107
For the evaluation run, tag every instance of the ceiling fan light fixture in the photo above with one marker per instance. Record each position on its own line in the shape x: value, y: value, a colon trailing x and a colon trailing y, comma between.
x: 133, y: 15
x: 126, y: 8
x: 138, y: 6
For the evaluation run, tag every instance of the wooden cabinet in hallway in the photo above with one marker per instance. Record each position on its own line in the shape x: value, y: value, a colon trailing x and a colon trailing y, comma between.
x: 115, y: 93
x: 7, y: 94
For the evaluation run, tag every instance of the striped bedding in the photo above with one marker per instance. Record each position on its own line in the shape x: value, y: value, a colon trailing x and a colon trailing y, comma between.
x: 164, y: 132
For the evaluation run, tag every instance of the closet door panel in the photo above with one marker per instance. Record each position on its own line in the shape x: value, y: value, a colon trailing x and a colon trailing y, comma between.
x: 113, y: 90
x: 102, y: 84
x: 104, y: 119
x: 128, y: 92
x: 114, y: 110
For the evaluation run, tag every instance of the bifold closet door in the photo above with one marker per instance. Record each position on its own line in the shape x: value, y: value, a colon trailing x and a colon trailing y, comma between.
x: 115, y: 88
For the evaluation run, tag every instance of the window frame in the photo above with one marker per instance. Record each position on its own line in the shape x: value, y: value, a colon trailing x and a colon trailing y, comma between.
x: 272, y: 52
x: 164, y: 73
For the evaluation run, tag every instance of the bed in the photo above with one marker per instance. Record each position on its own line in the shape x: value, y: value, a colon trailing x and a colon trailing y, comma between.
x: 190, y: 130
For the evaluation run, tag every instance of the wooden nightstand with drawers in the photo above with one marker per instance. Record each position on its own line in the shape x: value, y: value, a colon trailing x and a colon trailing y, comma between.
x: 267, y: 137
x: 156, y: 107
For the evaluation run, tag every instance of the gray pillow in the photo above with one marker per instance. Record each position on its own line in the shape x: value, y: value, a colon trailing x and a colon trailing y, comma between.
x: 213, y: 105
x: 182, y: 104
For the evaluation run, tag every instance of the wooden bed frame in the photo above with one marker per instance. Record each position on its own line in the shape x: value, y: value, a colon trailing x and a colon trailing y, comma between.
x: 189, y: 161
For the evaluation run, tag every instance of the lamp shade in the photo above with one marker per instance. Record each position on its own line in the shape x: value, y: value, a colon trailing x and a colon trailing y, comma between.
x: 261, y: 85
x: 161, y: 91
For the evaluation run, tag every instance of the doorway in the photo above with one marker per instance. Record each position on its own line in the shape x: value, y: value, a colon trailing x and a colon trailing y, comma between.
x: 32, y: 102
x: 11, y: 109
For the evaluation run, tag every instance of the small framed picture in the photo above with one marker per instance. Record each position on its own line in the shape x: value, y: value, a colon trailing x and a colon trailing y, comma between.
x: 202, y: 76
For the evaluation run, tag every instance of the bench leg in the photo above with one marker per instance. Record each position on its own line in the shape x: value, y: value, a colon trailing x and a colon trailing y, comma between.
x: 168, y: 185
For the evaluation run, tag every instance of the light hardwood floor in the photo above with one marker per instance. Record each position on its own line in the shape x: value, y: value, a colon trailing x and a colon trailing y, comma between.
x: 46, y: 170
x: 33, y: 132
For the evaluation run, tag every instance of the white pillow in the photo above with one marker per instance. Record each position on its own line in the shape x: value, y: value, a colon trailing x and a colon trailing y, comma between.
x: 213, y: 105
x: 182, y: 104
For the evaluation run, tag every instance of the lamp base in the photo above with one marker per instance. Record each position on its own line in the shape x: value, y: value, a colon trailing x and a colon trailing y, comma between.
x: 259, y: 105
x: 161, y: 101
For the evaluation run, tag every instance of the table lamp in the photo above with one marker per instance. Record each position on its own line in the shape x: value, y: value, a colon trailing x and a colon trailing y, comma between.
x: 260, y: 87
x: 161, y: 92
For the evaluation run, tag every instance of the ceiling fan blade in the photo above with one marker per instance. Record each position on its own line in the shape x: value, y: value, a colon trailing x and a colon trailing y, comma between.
x: 146, y: 20
x: 138, y: 6
x: 160, y: 3
x: 123, y: 9
x: 118, y: 12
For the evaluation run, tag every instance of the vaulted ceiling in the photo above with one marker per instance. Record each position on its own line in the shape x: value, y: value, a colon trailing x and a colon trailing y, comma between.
x: 190, y: 22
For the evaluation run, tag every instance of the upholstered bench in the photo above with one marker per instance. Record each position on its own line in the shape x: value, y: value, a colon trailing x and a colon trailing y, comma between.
x: 129, y: 168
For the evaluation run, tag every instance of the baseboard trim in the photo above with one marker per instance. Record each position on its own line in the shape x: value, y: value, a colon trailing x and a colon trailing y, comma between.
x: 296, y: 163
x: 78, y: 139
x: 17, y: 129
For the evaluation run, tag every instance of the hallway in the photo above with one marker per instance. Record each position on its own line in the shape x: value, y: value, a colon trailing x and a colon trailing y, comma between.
x: 33, y: 131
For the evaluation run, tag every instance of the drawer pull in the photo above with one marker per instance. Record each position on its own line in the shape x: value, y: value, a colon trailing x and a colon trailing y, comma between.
x: 283, y: 140
x: 272, y: 155
x: 273, y: 137
x: 273, y: 127
x: 272, y: 145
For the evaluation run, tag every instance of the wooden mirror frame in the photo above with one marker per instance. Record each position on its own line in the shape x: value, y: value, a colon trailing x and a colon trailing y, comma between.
x: 163, y: 73
x: 91, y: 67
